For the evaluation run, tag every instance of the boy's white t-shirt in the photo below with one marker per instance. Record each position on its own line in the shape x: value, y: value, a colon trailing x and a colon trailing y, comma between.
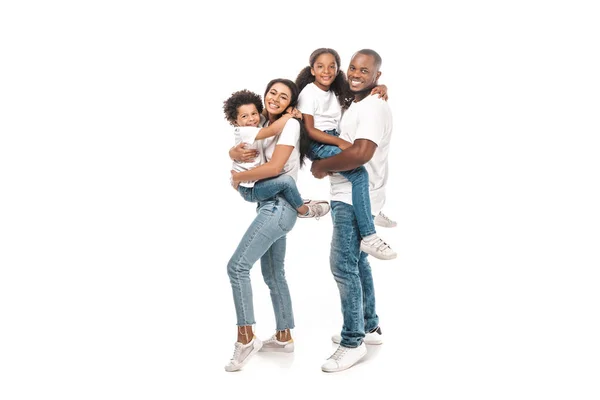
x: 247, y: 134
x: 370, y: 118
x: 322, y: 105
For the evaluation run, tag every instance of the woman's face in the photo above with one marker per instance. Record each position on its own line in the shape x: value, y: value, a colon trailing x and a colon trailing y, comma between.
x: 278, y: 98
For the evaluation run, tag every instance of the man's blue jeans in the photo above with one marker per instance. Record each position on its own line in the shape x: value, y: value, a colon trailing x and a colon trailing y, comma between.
x: 352, y: 273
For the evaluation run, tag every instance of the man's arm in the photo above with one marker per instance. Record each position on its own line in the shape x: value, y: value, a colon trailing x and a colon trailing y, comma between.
x: 354, y: 156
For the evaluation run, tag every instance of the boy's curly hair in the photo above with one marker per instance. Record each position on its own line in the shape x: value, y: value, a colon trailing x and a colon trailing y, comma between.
x: 240, y: 98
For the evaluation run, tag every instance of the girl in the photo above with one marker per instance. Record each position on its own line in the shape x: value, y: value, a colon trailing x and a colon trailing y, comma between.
x: 324, y: 94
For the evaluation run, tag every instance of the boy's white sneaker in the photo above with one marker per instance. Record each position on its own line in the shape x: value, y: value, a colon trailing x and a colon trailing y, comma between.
x: 376, y: 247
x: 383, y: 220
x: 371, y: 338
x: 242, y: 354
x: 272, y: 344
x: 344, y: 358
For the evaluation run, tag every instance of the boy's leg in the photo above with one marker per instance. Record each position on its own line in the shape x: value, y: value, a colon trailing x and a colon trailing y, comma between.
x: 283, y: 185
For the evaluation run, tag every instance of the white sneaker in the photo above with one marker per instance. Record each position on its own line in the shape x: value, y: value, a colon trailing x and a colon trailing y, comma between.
x: 344, y: 358
x: 371, y: 338
x: 272, y: 344
x: 378, y: 248
x: 242, y: 354
x: 316, y: 209
x: 383, y: 220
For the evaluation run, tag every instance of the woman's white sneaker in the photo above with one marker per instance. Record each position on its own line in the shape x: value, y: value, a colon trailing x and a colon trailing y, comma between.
x: 242, y: 354
x: 272, y: 344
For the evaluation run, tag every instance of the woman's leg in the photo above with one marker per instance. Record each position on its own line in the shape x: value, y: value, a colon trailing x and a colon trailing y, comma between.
x: 272, y: 267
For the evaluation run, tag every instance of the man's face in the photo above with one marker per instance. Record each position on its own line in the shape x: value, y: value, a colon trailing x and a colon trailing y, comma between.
x: 362, y: 73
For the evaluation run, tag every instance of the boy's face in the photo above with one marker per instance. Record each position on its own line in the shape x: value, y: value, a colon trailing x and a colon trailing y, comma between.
x: 247, y: 115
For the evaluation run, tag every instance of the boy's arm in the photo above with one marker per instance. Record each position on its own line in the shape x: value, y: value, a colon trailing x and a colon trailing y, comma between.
x: 273, y: 129
x: 319, y: 136
x: 270, y: 169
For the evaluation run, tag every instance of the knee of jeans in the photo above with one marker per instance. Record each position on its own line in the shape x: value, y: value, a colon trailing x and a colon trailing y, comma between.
x: 287, y: 179
x: 234, y: 266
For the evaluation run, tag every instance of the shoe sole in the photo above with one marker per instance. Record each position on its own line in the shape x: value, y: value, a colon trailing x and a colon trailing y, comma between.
x: 240, y: 366
x: 277, y: 350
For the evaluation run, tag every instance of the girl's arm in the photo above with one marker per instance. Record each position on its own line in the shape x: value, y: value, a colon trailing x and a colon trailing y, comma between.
x: 267, y: 170
x: 381, y: 90
x: 320, y: 136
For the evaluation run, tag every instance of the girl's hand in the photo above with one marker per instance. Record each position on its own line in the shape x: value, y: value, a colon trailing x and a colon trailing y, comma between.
x: 240, y: 154
x: 295, y: 112
x: 344, y: 145
x: 381, y: 90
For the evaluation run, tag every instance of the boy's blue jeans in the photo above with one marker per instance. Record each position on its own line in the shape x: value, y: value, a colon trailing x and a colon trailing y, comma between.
x: 266, y: 189
x: 359, y: 177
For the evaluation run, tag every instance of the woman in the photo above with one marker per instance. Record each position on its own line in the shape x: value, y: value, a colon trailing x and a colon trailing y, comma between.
x: 266, y: 236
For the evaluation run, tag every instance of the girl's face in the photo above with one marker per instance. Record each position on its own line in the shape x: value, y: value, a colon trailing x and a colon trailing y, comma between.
x: 278, y: 98
x: 324, y: 70
x: 247, y: 115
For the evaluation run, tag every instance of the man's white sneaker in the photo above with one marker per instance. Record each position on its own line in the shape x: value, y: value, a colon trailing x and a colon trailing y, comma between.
x: 242, y: 354
x: 272, y: 344
x: 316, y: 209
x: 371, y: 338
x: 383, y: 220
x: 378, y: 248
x: 344, y: 358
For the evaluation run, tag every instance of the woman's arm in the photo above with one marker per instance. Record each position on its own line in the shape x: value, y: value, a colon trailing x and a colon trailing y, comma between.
x: 240, y: 154
x: 319, y: 136
x: 268, y: 170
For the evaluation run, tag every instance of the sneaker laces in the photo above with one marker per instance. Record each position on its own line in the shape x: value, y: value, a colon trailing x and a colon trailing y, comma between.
x: 237, y: 351
x: 316, y: 210
x: 385, y: 217
x: 339, y: 353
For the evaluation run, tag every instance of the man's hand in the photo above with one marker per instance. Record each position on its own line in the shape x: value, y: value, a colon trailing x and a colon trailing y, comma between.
x: 240, y: 154
x: 316, y: 171
x: 344, y: 145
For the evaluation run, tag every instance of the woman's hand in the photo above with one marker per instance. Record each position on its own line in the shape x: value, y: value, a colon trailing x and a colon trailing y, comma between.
x: 344, y: 145
x: 381, y: 90
x: 234, y: 181
x: 240, y: 154
x: 294, y: 111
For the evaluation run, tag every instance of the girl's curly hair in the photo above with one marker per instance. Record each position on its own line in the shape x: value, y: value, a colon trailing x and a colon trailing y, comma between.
x: 240, y: 98
x: 339, y: 86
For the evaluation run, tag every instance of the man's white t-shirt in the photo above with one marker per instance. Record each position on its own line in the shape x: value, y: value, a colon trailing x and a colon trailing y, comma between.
x: 370, y: 118
x: 247, y: 134
x: 322, y: 105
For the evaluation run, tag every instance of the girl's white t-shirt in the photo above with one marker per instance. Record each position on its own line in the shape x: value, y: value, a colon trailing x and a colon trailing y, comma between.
x: 322, y: 105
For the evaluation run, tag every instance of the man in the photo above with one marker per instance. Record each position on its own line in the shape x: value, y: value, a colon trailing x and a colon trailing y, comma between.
x: 367, y: 123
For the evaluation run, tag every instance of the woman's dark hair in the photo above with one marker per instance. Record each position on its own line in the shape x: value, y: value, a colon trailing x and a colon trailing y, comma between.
x: 304, y: 140
x: 240, y: 98
x: 339, y: 86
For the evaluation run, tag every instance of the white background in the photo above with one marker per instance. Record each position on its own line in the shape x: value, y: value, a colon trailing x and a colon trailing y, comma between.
x: 117, y: 221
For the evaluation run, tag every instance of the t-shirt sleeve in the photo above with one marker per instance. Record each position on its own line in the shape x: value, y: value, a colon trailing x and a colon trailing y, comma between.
x: 371, y: 123
x: 307, y: 101
x: 290, y: 136
x: 246, y: 134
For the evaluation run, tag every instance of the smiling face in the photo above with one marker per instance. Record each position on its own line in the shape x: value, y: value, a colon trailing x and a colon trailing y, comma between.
x: 362, y: 73
x: 247, y: 115
x: 324, y: 70
x: 277, y: 98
